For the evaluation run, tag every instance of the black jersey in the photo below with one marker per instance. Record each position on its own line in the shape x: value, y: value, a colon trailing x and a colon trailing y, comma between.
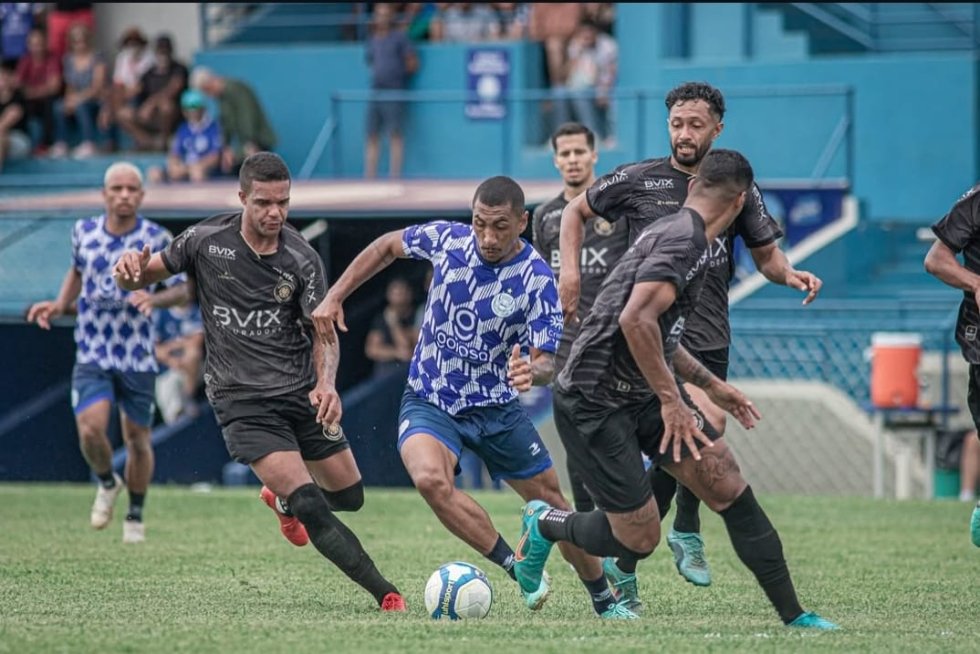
x: 602, y: 247
x: 644, y: 192
x: 959, y: 230
x: 601, y: 366
x: 256, y: 308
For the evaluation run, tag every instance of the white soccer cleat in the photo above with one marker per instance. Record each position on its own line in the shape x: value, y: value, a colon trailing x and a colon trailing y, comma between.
x: 105, y: 499
x: 133, y: 532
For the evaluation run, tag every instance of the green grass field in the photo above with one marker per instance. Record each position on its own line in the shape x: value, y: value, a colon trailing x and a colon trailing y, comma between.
x: 216, y: 576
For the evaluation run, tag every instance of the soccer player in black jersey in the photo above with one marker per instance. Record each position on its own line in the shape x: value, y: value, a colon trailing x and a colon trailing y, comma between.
x: 257, y: 282
x: 618, y: 397
x: 959, y: 231
x: 640, y: 194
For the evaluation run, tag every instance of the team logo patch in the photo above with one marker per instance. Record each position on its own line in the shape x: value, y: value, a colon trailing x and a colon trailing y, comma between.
x: 503, y: 305
x: 602, y: 226
x: 333, y: 432
x: 284, y: 290
x: 970, y: 333
x: 698, y: 420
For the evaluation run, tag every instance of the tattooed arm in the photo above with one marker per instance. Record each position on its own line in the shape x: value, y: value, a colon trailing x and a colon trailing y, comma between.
x: 720, y: 392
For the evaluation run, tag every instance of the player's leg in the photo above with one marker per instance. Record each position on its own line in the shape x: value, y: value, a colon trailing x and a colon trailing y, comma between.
x: 92, y: 396
x: 394, y: 116
x: 336, y: 473
x: 973, y: 401
x: 717, y: 480
x: 135, y: 393
x: 371, y: 143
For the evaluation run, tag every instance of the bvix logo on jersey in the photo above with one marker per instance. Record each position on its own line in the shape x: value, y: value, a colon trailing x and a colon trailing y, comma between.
x: 613, y: 179
x: 658, y: 183
x: 718, y: 252
x: 696, y: 268
x: 503, y: 305
x: 592, y: 262
x: 676, y: 331
x: 284, y: 290
x: 221, y: 252
x: 257, y: 322
x: 458, y: 335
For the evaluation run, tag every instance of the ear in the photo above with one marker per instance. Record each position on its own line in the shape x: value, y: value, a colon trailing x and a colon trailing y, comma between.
x: 242, y: 196
x: 718, y: 130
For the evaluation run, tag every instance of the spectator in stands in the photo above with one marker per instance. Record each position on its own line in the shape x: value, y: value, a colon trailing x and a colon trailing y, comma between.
x: 195, y: 154
x: 39, y: 78
x: 16, y: 22
x: 969, y: 466
x: 392, y: 337
x: 61, y: 16
x: 593, y: 59
x: 464, y: 22
x: 603, y: 14
x: 133, y: 60
x: 512, y: 20
x: 153, y: 118
x: 180, y: 352
x: 245, y: 129
x: 552, y: 25
x: 84, y: 73
x: 14, y: 141
x: 393, y: 61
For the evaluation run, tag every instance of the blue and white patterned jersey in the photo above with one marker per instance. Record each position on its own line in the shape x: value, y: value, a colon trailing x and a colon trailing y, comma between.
x: 475, y: 313
x: 109, y: 331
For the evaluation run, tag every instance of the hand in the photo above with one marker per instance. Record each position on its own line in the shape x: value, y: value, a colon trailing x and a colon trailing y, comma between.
x: 680, y: 427
x: 43, y: 312
x: 569, y: 289
x: 142, y: 301
x: 130, y: 267
x: 326, y: 401
x: 734, y: 402
x: 519, y: 373
x: 328, y: 317
x: 804, y: 281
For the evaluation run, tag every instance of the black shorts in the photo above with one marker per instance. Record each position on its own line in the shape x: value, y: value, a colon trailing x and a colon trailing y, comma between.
x: 973, y: 394
x: 253, y: 428
x: 605, y: 446
x: 714, y: 360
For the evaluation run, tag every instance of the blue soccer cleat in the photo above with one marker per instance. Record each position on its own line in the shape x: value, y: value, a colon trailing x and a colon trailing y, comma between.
x: 536, y: 600
x: 688, y: 549
x: 975, y: 526
x: 810, y: 620
x: 618, y: 611
x: 532, y: 549
x: 623, y: 585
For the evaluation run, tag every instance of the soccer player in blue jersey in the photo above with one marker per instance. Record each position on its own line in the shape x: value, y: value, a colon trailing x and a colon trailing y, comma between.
x: 114, y: 359
x: 492, y: 301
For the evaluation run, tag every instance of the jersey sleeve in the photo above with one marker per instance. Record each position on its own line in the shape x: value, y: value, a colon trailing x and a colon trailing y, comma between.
x: 962, y: 224
x: 314, y: 287
x: 544, y: 320
x: 161, y: 241
x: 425, y: 241
x: 671, y: 260
x: 754, y: 224
x: 180, y: 253
x: 610, y: 196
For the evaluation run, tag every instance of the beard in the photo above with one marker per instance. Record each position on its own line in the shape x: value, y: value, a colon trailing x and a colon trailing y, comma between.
x: 691, y: 159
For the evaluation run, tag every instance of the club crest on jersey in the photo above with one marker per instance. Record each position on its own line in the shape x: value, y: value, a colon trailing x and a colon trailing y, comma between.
x: 602, y: 226
x: 284, y: 290
x: 503, y: 305
x: 332, y: 432
x: 698, y: 420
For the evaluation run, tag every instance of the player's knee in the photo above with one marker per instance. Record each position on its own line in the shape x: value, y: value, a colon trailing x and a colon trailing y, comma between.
x: 433, y: 486
x: 347, y: 499
x: 722, y: 495
x: 309, y: 505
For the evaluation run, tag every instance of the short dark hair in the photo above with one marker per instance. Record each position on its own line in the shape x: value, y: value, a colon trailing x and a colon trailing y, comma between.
x: 698, y: 91
x: 571, y: 129
x: 725, y: 171
x: 499, y: 191
x: 262, y: 167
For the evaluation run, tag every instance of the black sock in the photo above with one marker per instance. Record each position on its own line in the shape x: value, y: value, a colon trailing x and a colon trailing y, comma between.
x: 758, y: 546
x: 503, y: 555
x: 663, y: 486
x: 627, y: 563
x: 346, y: 499
x: 590, y: 531
x: 107, y: 479
x: 336, y: 542
x: 687, y: 519
x: 600, y: 594
x: 136, y: 501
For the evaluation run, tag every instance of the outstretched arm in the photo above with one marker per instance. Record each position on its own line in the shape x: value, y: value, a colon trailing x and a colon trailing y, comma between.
x: 720, y: 392
x: 773, y: 264
x: 136, y: 270
x: 324, y: 396
x: 373, y: 259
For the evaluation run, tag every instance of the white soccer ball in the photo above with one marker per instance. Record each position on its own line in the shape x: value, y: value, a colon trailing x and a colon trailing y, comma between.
x: 458, y: 591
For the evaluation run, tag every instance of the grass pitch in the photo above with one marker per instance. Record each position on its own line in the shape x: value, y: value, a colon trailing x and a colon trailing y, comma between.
x: 216, y: 576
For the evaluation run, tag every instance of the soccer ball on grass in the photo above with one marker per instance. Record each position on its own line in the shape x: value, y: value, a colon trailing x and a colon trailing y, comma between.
x: 457, y: 591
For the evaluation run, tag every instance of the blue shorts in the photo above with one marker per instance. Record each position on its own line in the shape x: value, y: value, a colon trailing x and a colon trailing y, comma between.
x: 502, y: 435
x: 131, y: 391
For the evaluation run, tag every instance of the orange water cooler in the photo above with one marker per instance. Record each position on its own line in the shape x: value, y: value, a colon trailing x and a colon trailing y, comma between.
x: 894, y: 369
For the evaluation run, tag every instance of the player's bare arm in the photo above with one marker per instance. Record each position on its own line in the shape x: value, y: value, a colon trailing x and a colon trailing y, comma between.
x: 641, y: 328
x: 329, y: 314
x: 570, y: 239
x: 44, y: 312
x: 139, y: 269
x: 775, y: 266
x: 720, y: 392
x: 169, y: 297
x: 523, y: 373
x: 941, y: 262
x: 324, y: 397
